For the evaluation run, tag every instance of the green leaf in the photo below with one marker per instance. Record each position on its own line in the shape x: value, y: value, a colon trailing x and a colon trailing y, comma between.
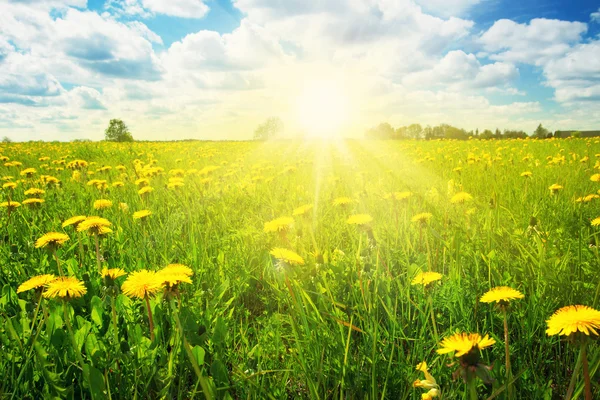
x: 97, y: 310
x: 96, y: 382
x: 199, y: 353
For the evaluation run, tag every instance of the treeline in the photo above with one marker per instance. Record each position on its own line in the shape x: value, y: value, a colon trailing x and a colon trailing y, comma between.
x: 445, y: 131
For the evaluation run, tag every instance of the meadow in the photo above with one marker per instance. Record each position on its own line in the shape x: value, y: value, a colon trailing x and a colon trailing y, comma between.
x: 287, y: 270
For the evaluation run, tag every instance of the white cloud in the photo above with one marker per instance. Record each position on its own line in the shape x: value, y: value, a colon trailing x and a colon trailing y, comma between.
x: 595, y: 16
x: 535, y: 43
x: 447, y: 8
x: 148, y: 8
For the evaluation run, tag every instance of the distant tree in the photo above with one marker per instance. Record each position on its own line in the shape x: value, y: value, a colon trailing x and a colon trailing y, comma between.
x: 576, y: 134
x: 414, y: 131
x: 117, y: 131
x: 271, y: 128
x: 6, y: 139
x: 541, y: 132
x: 381, y: 131
x: 486, y: 134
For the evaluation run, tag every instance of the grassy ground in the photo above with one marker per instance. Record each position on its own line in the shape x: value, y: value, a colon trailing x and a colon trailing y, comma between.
x: 345, y: 324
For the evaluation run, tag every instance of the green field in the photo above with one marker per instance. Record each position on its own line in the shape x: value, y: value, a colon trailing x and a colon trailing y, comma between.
x: 346, y: 323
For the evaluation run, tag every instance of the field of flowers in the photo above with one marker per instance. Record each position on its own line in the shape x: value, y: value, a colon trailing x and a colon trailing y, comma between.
x: 358, y: 270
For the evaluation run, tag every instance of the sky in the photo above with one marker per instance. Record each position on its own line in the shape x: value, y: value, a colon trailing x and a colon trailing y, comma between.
x: 216, y: 69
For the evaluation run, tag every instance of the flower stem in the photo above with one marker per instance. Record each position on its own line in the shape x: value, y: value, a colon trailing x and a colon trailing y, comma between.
x: 98, y: 253
x: 472, y: 385
x: 80, y: 249
x: 586, y: 372
x: 507, y: 353
x: 74, y: 343
x: 150, y: 321
x: 432, y: 314
x: 60, y: 271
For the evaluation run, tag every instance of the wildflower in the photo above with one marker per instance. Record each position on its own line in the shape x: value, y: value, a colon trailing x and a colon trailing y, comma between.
x: 596, y: 221
x: 595, y: 178
x: 571, y: 319
x: 526, y: 174
x: 95, y: 225
x: 427, y: 383
x: 73, y: 221
x: 141, y: 284
x: 32, y: 202
x: 66, y: 288
x: 102, y: 204
x: 145, y: 190
x: 287, y: 256
x: 281, y: 224
x: 426, y: 278
x: 422, y: 218
x: 402, y: 195
x: 28, y: 172
x: 123, y: 207
x: 9, y: 185
x: 10, y: 205
x: 302, y: 210
x: 51, y: 239
x: 463, y: 343
x: 35, y: 192
x: 112, y: 273
x: 555, y: 188
x: 343, y: 201
x: 461, y: 198
x: 36, y: 282
x: 142, y: 214
x: 359, y: 219
x: 501, y: 295
x: 179, y: 269
x: 118, y: 184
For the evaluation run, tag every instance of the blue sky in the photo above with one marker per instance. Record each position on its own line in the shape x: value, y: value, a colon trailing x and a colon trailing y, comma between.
x: 215, y: 69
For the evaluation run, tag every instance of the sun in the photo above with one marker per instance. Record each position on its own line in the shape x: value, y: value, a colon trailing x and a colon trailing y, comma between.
x: 322, y: 109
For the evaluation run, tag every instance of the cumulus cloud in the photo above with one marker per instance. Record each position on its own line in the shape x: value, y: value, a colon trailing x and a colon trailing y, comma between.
x: 148, y: 8
x: 595, y: 16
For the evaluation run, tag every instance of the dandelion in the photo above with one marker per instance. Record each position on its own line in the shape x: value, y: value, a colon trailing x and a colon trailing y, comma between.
x: 28, y: 172
x: 282, y: 224
x: 287, y: 256
x: 426, y: 278
x: 595, y: 178
x: 145, y: 191
x: 422, y: 218
x: 143, y: 284
x: 502, y: 295
x: 527, y: 174
x: 10, y: 205
x: 401, y: 196
x: 96, y: 226
x: 65, y: 288
x: 10, y: 186
x: 596, y: 221
x: 33, y: 202
x: 461, y: 198
x: 37, y: 282
x: 142, y: 214
x: 118, y: 184
x: 102, y: 204
x: 343, y: 201
x: 467, y: 347
x: 51, y: 239
x: 577, y: 323
x: 34, y: 192
x: 302, y: 210
x: 113, y: 273
x: 555, y: 188
x: 75, y: 221
x: 359, y: 219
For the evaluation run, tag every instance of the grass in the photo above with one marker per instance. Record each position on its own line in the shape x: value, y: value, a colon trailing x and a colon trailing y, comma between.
x: 347, y: 323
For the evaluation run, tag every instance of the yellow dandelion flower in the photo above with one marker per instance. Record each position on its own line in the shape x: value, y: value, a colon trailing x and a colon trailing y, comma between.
x: 422, y: 218
x: 595, y: 178
x: 554, y: 188
x: 425, y: 278
x: 66, y: 288
x: 501, y: 294
x: 28, y: 172
x: 34, y: 192
x: 526, y: 174
x: 123, y: 207
x: 173, y: 276
x: 596, y: 221
x: 141, y: 214
x: 73, y: 221
x: 102, y: 204
x: 287, y: 256
x: 36, y: 282
x: 572, y: 319
x: 32, y: 202
x: 10, y: 205
x: 279, y: 224
x: 141, y: 284
x: 342, y: 201
x: 179, y: 269
x: 402, y: 195
x: 94, y: 225
x: 51, y: 239
x: 302, y: 210
x: 118, y: 184
x: 9, y: 185
x: 359, y: 219
x: 145, y: 190
x: 113, y: 273
x: 463, y: 343
x: 461, y: 198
